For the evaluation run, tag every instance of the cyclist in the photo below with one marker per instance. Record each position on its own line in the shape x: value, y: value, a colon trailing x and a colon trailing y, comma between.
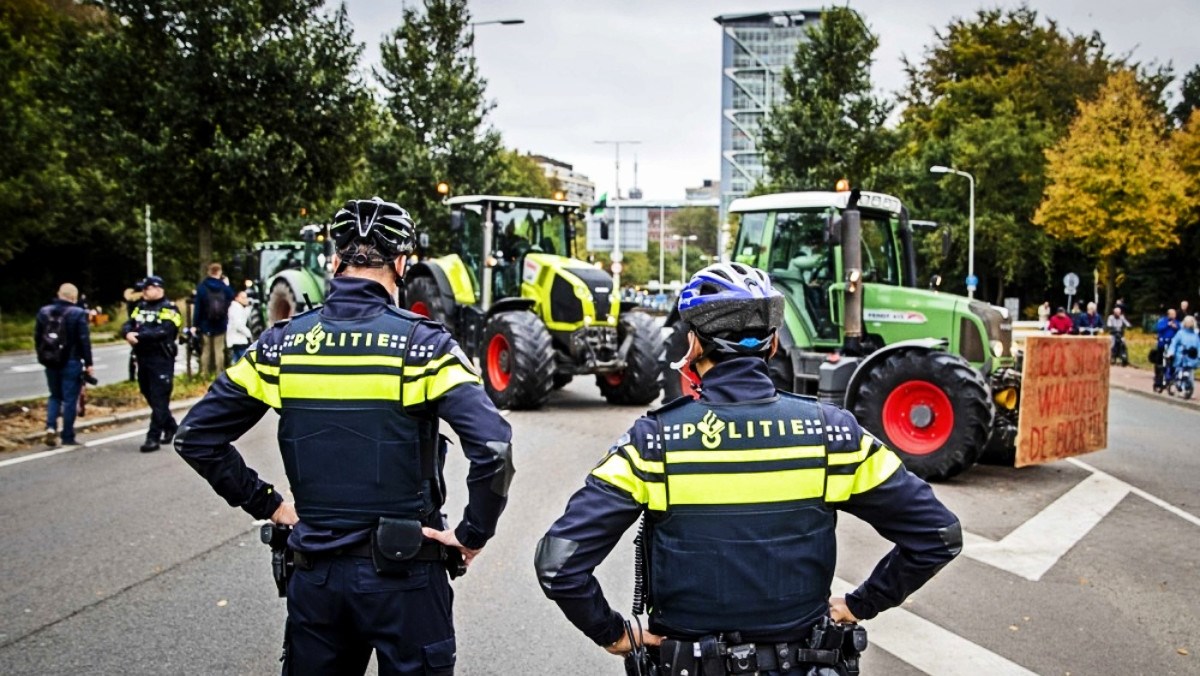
x: 1184, y: 353
x: 1166, y: 328
x: 1117, y: 323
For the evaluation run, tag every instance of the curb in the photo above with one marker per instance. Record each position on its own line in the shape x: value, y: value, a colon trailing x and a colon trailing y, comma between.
x: 1155, y: 396
x: 127, y: 416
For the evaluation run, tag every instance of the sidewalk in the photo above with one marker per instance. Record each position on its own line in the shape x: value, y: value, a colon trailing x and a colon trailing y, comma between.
x: 1141, y: 382
x: 83, y: 424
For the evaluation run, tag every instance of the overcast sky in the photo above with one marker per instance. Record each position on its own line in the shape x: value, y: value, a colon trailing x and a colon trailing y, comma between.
x: 579, y: 71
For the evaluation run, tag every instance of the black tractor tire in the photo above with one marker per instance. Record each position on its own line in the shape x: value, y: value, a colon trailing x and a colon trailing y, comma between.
x: 941, y: 385
x: 255, y: 320
x: 637, y: 385
x: 517, y: 360
x: 561, y: 380
x: 282, y: 302
x: 672, y: 349
x: 423, y: 297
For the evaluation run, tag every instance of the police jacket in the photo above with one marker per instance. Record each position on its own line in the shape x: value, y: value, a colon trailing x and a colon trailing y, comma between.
x: 359, y: 386
x: 740, y: 490
x: 157, y: 325
x: 75, y: 329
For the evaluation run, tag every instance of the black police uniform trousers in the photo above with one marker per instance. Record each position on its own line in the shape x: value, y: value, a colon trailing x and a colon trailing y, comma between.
x: 340, y: 608
x: 156, y: 379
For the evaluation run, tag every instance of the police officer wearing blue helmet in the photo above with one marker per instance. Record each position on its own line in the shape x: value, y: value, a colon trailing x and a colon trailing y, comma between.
x: 739, y: 491
x: 360, y: 386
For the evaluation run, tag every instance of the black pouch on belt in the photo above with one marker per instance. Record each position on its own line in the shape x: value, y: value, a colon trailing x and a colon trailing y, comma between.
x: 393, y: 543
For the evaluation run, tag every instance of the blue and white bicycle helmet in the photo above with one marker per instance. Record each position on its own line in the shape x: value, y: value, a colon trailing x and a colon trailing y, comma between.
x: 732, y: 307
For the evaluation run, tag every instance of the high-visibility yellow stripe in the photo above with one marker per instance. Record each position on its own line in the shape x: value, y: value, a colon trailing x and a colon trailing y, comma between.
x: 641, y: 463
x: 267, y: 369
x: 433, y: 365
x: 864, y: 447
x: 839, y: 487
x: 616, y: 471
x: 341, y: 360
x: 875, y: 470
x: 340, y: 386
x: 742, y: 488
x: 171, y: 315
x: 746, y: 455
x: 438, y: 384
x: 245, y: 374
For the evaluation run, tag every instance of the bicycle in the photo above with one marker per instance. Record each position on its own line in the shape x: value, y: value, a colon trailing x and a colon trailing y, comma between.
x: 1183, y: 384
x: 1120, y: 352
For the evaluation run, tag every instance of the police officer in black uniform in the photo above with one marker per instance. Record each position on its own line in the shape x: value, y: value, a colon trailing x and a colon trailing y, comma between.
x: 740, y: 491
x: 360, y: 385
x: 152, y: 329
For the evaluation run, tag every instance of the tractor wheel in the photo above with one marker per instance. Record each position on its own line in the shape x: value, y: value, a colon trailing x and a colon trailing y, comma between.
x: 424, y: 298
x: 518, y: 360
x: 637, y: 385
x: 255, y: 320
x: 282, y: 303
x: 931, y: 408
x: 561, y: 380
x: 674, y: 385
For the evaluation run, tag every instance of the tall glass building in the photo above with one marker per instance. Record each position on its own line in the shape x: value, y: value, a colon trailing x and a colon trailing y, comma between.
x: 755, y: 49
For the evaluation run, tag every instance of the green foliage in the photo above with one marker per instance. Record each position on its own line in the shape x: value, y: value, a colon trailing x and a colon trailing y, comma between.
x: 830, y: 124
x: 698, y: 221
x: 255, y: 109
x: 435, y: 128
x: 521, y: 175
x: 1115, y: 186
x: 1189, y: 101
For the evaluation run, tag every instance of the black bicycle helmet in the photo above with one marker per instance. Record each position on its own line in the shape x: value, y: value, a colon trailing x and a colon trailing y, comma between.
x: 732, y: 299
x: 384, y: 225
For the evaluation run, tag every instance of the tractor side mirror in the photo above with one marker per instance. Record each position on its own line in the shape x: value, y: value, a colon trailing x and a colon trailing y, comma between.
x: 239, y: 263
x: 456, y: 221
x: 935, y: 282
x: 423, y: 240
x: 945, y: 243
x: 833, y: 230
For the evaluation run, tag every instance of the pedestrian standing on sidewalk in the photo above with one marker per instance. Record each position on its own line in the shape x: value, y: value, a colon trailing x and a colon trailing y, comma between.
x: 1044, y: 315
x: 238, y: 335
x: 64, y: 347
x: 152, y: 330
x: 1060, y: 323
x: 1166, y: 328
x: 210, y: 317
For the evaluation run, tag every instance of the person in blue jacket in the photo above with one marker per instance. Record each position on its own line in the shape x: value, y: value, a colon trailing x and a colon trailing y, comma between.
x: 1166, y: 328
x: 1184, y: 350
x: 740, y: 491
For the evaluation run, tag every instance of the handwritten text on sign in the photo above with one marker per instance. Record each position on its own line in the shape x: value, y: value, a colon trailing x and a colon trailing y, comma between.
x: 1064, y: 398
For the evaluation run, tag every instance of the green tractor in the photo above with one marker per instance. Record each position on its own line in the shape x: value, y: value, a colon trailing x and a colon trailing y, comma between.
x: 284, y: 278
x: 516, y: 299
x: 931, y: 374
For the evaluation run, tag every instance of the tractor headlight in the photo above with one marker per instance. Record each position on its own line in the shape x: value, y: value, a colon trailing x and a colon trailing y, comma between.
x: 997, y: 349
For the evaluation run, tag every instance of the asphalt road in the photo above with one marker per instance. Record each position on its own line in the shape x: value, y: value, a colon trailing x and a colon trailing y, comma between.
x: 22, y: 377
x: 118, y: 562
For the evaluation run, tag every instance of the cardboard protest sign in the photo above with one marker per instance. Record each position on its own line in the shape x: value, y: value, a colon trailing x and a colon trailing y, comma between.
x: 1064, y: 398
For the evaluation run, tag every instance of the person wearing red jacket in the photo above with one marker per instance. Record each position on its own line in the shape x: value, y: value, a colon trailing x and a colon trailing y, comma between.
x: 1060, y: 323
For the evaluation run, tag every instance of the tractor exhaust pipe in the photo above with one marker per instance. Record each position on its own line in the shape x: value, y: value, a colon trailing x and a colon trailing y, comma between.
x: 852, y: 265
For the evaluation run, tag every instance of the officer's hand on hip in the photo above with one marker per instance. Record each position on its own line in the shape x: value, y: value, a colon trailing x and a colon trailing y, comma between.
x: 624, y: 646
x: 447, y: 538
x: 131, y: 337
x: 839, y: 611
x: 285, y: 514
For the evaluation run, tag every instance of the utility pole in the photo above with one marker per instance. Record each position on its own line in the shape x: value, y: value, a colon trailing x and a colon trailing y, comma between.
x: 149, y: 245
x: 617, y: 256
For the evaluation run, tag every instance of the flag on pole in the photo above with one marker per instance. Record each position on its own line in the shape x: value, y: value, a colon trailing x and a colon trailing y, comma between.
x: 601, y: 204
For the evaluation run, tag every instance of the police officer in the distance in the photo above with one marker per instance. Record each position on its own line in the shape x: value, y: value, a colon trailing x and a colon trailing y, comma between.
x: 741, y: 490
x: 152, y: 329
x: 359, y: 385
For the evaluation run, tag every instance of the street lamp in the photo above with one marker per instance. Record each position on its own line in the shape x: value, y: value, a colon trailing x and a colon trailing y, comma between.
x: 683, y: 262
x: 494, y: 22
x: 972, y: 280
x: 616, y: 231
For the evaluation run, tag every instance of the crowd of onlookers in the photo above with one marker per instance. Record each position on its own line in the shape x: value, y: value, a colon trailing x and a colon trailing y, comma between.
x: 220, y: 327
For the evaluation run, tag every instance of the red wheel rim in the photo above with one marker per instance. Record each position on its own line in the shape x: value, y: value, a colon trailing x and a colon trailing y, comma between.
x: 614, y: 379
x: 918, y: 417
x: 497, y: 362
x: 420, y: 308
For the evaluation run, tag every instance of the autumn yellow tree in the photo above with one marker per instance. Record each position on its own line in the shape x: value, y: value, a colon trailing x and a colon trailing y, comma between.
x: 1186, y: 142
x: 1115, y: 186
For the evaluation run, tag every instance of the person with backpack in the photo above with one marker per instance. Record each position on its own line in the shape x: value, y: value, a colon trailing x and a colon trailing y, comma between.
x: 64, y: 347
x: 210, y: 318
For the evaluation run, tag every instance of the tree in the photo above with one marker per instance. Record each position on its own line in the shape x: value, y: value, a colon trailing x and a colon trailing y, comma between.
x: 1189, y: 100
x: 698, y: 221
x: 989, y: 96
x: 243, y: 109
x: 521, y: 175
x: 1115, y: 187
x: 830, y: 125
x: 436, y: 128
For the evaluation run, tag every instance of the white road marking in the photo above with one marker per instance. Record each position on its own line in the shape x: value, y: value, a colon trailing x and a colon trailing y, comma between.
x: 60, y: 451
x: 930, y: 648
x: 1036, y: 545
x: 25, y: 368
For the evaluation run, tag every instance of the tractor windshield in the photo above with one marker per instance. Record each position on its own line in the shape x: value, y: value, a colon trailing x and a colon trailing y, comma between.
x: 795, y: 242
x: 522, y: 229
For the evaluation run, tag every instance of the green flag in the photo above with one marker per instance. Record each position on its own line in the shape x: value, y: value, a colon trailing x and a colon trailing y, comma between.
x: 601, y: 204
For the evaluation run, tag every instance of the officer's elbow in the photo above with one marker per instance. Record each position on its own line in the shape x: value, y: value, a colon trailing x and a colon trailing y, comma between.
x: 552, y: 555
x: 952, y: 539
